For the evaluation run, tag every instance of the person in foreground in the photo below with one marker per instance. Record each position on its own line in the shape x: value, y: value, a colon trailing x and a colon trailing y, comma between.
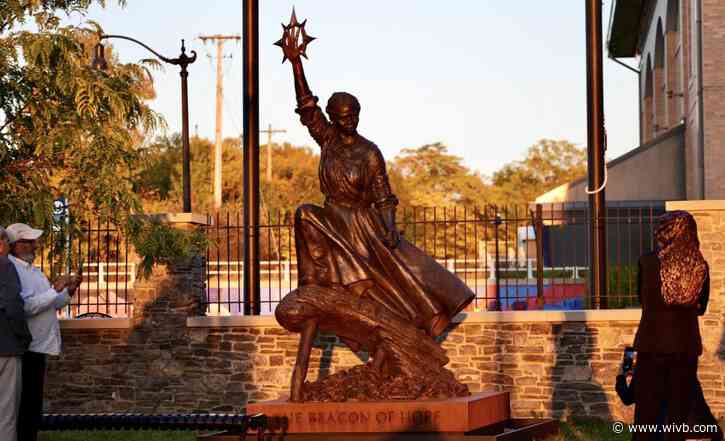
x: 700, y: 412
x: 41, y: 303
x: 674, y: 286
x: 14, y: 340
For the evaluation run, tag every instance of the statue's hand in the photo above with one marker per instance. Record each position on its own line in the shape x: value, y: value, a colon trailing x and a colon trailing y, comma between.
x: 289, y: 47
x: 294, y: 40
x: 391, y: 238
x: 386, y: 227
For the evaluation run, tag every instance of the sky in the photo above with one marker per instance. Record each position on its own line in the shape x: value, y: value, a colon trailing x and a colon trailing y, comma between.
x: 488, y: 78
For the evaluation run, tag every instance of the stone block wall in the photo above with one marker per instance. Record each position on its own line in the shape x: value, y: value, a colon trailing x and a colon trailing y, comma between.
x: 557, y: 368
x: 169, y: 358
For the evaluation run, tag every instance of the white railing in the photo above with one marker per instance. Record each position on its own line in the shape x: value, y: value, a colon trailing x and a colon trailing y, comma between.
x: 98, y: 273
x: 273, y: 269
x: 269, y: 268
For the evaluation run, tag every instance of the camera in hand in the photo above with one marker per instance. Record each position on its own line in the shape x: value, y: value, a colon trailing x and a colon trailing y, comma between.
x: 628, y: 360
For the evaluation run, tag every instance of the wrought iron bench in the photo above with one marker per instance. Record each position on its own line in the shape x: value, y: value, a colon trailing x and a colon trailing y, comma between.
x: 234, y: 423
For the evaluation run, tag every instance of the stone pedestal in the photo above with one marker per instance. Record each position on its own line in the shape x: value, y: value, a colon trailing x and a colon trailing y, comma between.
x: 480, y: 417
x: 452, y: 415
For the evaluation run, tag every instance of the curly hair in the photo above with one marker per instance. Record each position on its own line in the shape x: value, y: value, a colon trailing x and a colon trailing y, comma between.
x: 683, y: 269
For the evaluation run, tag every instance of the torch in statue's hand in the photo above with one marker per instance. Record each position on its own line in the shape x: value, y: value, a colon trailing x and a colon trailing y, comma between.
x: 294, y: 39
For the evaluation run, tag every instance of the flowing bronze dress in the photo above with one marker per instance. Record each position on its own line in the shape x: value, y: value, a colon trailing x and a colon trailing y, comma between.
x: 341, y: 245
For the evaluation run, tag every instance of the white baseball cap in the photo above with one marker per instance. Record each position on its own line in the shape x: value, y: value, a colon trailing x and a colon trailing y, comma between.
x: 18, y: 232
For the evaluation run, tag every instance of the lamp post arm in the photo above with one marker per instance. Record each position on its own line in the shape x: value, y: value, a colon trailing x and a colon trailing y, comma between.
x: 183, y: 60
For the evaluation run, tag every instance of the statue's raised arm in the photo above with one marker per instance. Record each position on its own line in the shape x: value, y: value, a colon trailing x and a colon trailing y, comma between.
x: 294, y: 43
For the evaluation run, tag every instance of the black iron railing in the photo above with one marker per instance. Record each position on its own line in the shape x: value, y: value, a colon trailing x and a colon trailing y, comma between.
x: 494, y: 250
x: 237, y: 423
x: 109, y: 266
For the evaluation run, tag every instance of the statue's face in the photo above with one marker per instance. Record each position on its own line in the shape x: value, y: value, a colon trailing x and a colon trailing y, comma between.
x: 346, y: 119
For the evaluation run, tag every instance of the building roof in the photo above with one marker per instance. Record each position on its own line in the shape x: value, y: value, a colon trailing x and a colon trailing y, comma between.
x: 624, y: 28
x: 562, y: 192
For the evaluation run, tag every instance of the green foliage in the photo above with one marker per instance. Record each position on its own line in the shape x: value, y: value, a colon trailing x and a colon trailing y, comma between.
x: 427, y: 176
x: 547, y: 165
x: 622, y: 280
x: 160, y: 171
x: 14, y: 12
x: 157, y: 243
x: 587, y: 429
x: 294, y: 178
x: 430, y: 176
x: 621, y: 287
x: 69, y: 130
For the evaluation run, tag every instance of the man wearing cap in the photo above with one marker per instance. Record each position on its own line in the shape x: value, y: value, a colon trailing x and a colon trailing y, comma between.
x: 14, y: 340
x: 41, y: 303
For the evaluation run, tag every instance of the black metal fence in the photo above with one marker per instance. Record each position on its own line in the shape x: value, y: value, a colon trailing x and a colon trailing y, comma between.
x: 109, y: 266
x: 513, y: 258
x: 492, y: 249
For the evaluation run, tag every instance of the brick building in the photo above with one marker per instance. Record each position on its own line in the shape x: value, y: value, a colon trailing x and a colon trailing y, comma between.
x: 678, y: 45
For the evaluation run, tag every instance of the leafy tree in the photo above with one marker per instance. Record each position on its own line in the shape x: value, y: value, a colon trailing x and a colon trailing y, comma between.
x: 547, y: 164
x: 430, y: 176
x: 13, y: 12
x: 436, y: 188
x: 67, y: 129
x: 294, y: 182
x: 294, y: 178
x: 160, y: 174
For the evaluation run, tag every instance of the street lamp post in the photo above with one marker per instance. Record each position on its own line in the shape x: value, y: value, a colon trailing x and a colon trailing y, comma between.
x: 183, y: 60
x: 496, y: 222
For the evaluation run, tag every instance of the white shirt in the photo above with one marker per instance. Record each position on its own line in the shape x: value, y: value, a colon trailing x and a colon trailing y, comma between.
x: 41, y: 303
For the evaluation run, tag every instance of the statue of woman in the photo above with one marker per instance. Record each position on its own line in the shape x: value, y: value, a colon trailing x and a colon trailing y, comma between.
x: 352, y: 242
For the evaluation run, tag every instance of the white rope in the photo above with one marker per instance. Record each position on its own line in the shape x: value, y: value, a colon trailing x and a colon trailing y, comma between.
x: 604, y: 184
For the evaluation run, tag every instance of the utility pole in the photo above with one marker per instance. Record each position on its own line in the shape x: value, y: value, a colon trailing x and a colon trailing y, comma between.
x: 595, y: 156
x: 219, y: 40
x: 269, y: 133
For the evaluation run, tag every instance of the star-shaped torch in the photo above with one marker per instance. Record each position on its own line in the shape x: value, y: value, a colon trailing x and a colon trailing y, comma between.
x: 294, y: 39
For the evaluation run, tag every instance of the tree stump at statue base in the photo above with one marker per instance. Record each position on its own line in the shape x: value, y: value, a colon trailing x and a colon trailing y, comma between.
x: 414, y: 365
x: 364, y: 383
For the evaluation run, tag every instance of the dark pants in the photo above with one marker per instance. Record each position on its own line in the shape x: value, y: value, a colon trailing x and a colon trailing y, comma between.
x: 666, y: 378
x: 31, y: 398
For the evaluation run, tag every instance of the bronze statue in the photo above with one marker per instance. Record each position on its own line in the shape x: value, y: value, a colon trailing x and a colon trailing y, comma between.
x: 357, y: 276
